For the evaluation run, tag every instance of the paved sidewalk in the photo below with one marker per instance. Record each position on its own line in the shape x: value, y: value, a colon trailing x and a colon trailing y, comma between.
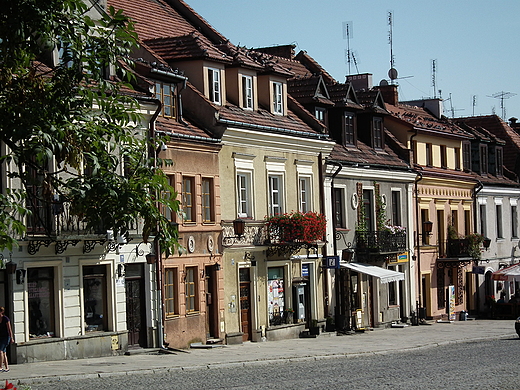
x: 327, y: 345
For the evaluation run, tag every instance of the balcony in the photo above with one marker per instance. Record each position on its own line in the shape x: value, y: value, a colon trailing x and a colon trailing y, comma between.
x: 380, y: 242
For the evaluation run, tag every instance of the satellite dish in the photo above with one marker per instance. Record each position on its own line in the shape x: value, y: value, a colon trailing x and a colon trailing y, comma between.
x: 392, y: 73
x: 383, y: 83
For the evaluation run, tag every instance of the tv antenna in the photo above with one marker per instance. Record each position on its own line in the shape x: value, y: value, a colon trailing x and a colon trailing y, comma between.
x: 392, y: 73
x: 453, y: 109
x: 502, y: 96
x: 434, y: 78
x: 474, y: 103
x: 349, y: 54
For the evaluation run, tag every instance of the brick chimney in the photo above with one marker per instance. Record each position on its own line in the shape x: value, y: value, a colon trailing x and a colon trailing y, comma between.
x: 389, y: 93
x: 360, y: 81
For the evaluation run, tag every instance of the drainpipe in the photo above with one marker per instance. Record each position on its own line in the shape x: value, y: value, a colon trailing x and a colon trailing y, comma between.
x: 477, y: 189
x: 322, y: 210
x: 338, y: 317
x: 156, y: 246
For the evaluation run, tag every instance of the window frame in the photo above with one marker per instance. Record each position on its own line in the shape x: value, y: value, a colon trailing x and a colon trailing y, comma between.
x: 499, y: 222
x: 320, y: 113
x: 339, y: 213
x: 483, y: 159
x: 429, y: 154
x: 162, y: 96
x: 171, y: 294
x: 188, y: 217
x: 208, y: 199
x: 247, y: 92
x: 499, y: 161
x: 244, y: 194
x: 215, y: 85
x: 377, y: 133
x: 304, y: 193
x: 104, y: 295
x: 278, y: 108
x: 276, y: 207
x: 466, y: 156
x: 349, y: 123
x: 191, y: 279
x: 54, y: 305
x: 514, y: 221
x: 396, y: 208
x: 444, y: 156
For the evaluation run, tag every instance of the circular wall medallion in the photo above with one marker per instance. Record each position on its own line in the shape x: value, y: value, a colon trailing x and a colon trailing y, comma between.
x: 191, y: 244
x: 211, y: 244
x: 355, y: 201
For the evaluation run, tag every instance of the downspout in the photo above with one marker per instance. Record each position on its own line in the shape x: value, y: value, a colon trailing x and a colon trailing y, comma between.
x: 156, y: 246
x: 477, y: 189
x: 417, y: 253
x: 338, y: 317
x: 322, y: 211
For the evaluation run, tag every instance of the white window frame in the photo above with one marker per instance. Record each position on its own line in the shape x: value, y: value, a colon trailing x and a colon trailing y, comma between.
x: 304, y: 193
x: 276, y: 192
x: 214, y: 85
x: 244, y: 167
x: 247, y: 92
x: 244, y: 194
x: 278, y: 98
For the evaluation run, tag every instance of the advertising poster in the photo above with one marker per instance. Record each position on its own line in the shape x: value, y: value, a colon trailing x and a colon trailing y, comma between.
x: 451, y: 302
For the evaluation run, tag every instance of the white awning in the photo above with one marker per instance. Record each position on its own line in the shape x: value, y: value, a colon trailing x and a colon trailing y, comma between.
x: 508, y: 274
x: 384, y: 275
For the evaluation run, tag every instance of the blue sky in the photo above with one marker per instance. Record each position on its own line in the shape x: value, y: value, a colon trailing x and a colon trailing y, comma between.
x: 475, y: 43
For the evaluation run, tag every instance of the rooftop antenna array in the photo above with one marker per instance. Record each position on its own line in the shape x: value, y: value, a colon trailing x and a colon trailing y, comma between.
x: 502, y: 96
x: 349, y: 54
x: 392, y: 73
x: 453, y: 109
x: 474, y: 103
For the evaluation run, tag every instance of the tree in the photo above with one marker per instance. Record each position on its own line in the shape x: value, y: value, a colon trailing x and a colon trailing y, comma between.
x: 72, y: 138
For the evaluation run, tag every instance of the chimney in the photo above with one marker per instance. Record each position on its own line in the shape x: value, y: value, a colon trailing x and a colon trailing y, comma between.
x: 390, y: 94
x: 361, y: 81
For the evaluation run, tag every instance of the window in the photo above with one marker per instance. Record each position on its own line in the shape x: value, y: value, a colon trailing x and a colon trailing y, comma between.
x: 188, y: 198
x: 247, y: 92
x: 482, y: 209
x: 424, y: 217
x: 378, y: 133
x: 244, y: 195
x: 95, y: 298
x: 170, y: 291
x: 368, y: 204
x: 166, y: 94
x: 39, y: 219
x: 500, y: 233
x: 396, y: 208
x: 429, y: 156
x: 467, y: 222
x: 305, y: 194
x: 207, y: 200
x: 40, y: 290
x: 414, y: 151
x: 339, y: 218
x: 319, y: 112
x: 444, y: 157
x: 500, y: 162
x: 275, y: 195
x: 466, y: 156
x: 275, y: 295
x: 393, y: 291
x: 191, y: 290
x: 514, y: 222
x: 214, y: 85
x: 165, y: 210
x: 457, y: 158
x: 349, y: 129
x: 277, y: 98
x: 483, y: 159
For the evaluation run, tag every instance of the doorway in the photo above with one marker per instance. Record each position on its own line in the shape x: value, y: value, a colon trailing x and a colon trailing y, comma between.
x: 211, y: 302
x: 245, y: 303
x: 135, y: 305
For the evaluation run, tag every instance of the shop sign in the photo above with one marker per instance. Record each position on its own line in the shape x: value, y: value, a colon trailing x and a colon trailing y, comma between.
x: 477, y: 269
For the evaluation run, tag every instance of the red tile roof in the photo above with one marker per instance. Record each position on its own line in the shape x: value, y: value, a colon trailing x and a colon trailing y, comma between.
x: 364, y: 155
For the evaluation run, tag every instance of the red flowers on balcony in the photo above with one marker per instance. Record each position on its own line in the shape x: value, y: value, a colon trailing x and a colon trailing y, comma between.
x: 296, y: 227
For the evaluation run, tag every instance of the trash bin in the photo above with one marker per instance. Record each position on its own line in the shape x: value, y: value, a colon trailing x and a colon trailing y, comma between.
x: 463, y: 315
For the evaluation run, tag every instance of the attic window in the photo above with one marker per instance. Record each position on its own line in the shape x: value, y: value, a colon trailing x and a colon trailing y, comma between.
x: 500, y: 161
x: 247, y: 92
x: 349, y: 129
x: 278, y: 98
x: 214, y: 86
x: 320, y: 114
x: 378, y: 133
x: 483, y: 159
x: 166, y: 94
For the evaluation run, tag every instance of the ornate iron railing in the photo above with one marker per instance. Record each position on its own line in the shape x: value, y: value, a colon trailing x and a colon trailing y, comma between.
x: 380, y: 242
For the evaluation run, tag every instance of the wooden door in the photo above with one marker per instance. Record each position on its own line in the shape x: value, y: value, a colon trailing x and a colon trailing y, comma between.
x: 245, y: 304
x: 135, y: 305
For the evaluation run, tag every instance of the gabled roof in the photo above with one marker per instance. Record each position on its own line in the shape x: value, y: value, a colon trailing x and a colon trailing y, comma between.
x: 372, y: 100
x: 344, y: 95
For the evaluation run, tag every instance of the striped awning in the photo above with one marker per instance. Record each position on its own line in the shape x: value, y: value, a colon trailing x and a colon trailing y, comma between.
x: 507, y: 274
x: 383, y: 274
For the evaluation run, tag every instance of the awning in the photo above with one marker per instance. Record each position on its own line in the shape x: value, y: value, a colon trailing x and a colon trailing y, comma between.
x: 507, y: 274
x: 384, y: 275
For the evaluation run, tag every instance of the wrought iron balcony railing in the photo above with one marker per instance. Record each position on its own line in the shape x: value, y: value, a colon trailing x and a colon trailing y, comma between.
x: 380, y: 242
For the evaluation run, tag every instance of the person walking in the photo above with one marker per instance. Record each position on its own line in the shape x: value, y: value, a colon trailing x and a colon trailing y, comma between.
x: 6, y: 337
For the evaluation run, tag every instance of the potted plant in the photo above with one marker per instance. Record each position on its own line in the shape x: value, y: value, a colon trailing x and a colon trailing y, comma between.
x: 296, y: 227
x: 314, y: 329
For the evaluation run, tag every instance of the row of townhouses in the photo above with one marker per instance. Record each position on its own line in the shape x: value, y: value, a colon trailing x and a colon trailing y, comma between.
x: 306, y: 202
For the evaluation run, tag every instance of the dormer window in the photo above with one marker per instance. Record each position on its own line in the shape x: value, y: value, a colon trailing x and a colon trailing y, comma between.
x: 483, y: 159
x: 349, y: 129
x: 214, y: 84
x: 500, y: 161
x: 247, y: 92
x: 278, y: 98
x: 165, y: 92
x: 378, y: 133
x: 319, y: 112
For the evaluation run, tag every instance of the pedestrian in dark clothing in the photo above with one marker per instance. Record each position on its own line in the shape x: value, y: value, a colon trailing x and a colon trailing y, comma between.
x: 6, y: 337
